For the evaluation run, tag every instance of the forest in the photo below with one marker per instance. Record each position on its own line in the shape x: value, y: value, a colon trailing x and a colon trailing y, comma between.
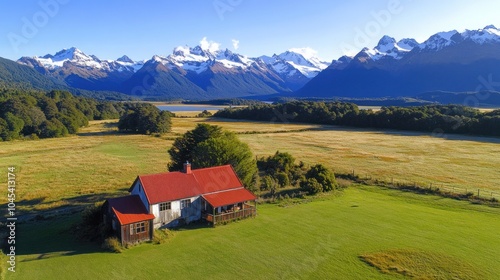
x: 36, y: 114
x: 429, y: 118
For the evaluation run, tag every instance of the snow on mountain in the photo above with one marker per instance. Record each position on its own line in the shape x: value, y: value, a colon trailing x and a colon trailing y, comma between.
x: 439, y: 41
x: 79, y: 58
x: 199, y: 58
x: 387, y: 46
x: 72, y: 54
x: 293, y: 60
x: 488, y: 34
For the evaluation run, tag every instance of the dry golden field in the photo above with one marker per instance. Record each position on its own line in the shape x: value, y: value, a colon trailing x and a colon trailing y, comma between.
x: 99, y: 162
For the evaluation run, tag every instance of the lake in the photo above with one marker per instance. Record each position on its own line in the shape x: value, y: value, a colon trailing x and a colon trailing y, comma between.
x: 189, y: 108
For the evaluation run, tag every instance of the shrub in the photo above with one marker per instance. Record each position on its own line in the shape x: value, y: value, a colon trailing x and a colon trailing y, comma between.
x: 92, y: 227
x: 311, y: 185
x: 282, y: 179
x: 112, y: 244
x: 204, y: 114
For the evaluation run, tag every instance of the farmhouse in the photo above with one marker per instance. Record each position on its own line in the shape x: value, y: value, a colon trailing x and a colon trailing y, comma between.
x: 170, y: 199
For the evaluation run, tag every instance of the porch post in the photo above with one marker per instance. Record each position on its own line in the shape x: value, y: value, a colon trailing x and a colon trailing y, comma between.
x: 213, y: 220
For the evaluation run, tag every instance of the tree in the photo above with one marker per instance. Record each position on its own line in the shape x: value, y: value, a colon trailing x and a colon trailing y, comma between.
x: 182, y: 148
x: 145, y: 119
x: 207, y: 146
x: 13, y: 127
x: 226, y: 149
x: 53, y: 128
x: 311, y: 186
x: 321, y: 175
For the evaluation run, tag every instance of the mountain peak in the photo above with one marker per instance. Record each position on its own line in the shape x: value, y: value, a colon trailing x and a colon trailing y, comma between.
x: 385, y: 44
x: 126, y: 59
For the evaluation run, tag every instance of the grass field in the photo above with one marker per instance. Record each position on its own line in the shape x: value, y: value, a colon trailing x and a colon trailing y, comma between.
x: 355, y: 235
x: 100, y: 162
x: 321, y: 239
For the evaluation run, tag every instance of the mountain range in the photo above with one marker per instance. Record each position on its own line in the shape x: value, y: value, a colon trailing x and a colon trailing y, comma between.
x: 187, y: 73
x: 451, y: 61
x: 447, y: 62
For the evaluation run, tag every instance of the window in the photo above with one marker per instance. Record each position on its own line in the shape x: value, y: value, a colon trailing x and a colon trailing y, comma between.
x: 185, y: 203
x: 165, y: 206
x: 140, y: 227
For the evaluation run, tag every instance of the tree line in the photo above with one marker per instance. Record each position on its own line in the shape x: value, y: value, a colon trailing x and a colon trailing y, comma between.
x: 429, y: 118
x: 37, y: 114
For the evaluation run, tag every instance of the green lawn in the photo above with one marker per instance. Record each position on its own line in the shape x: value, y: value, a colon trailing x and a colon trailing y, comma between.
x: 320, y: 239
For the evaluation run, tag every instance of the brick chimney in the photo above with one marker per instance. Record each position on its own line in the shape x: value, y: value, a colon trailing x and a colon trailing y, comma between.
x: 187, y: 168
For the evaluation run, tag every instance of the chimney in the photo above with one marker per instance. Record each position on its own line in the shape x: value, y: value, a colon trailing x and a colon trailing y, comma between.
x: 187, y: 168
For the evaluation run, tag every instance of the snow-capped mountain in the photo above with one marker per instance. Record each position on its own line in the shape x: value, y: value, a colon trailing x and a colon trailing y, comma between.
x: 438, y: 41
x: 388, y: 47
x: 447, y: 61
x: 203, y: 69
x: 79, y: 58
x: 309, y: 67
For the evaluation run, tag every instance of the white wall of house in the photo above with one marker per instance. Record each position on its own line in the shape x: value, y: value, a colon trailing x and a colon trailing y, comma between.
x: 189, y: 214
x: 139, y: 190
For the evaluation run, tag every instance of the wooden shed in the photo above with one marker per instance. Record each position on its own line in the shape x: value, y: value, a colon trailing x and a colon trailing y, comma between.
x: 129, y: 219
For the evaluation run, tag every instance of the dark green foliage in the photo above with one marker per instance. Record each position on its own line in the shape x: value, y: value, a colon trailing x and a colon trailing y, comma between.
x: 204, y: 114
x: 269, y: 184
x: 92, y: 227
x: 322, y: 176
x: 182, y: 148
x: 279, y: 162
x: 282, y: 168
x: 226, y: 149
x: 12, y: 127
x: 54, y: 114
x: 145, y: 118
x: 282, y: 179
x: 207, y: 146
x: 53, y: 128
x: 311, y: 185
x: 429, y: 118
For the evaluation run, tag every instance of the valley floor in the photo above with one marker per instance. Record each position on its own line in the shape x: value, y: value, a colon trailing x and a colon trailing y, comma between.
x: 322, y: 239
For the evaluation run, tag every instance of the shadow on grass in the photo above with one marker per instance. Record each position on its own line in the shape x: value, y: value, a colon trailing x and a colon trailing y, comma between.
x: 100, y: 133
x: 39, y: 240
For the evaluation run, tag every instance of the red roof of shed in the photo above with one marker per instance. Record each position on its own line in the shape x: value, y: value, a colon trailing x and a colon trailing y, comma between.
x: 176, y: 185
x: 129, y: 209
x: 229, y: 197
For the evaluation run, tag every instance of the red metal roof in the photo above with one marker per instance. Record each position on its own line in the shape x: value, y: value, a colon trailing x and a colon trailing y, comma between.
x: 129, y: 209
x: 169, y: 186
x: 229, y: 197
x: 217, y: 178
x: 176, y: 185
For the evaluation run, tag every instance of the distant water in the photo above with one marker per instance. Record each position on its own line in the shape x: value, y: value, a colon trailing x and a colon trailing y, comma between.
x: 189, y: 108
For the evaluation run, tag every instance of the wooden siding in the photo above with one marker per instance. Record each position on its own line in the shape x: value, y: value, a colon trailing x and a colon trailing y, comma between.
x: 176, y: 215
x: 127, y: 237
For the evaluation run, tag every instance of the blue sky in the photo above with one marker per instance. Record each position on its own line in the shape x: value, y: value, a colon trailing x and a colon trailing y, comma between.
x: 141, y: 29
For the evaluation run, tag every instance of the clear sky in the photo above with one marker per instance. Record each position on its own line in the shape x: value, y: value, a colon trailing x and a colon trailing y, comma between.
x: 141, y: 29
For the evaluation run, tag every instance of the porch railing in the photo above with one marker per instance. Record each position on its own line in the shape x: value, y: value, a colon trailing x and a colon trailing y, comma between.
x: 248, y: 211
